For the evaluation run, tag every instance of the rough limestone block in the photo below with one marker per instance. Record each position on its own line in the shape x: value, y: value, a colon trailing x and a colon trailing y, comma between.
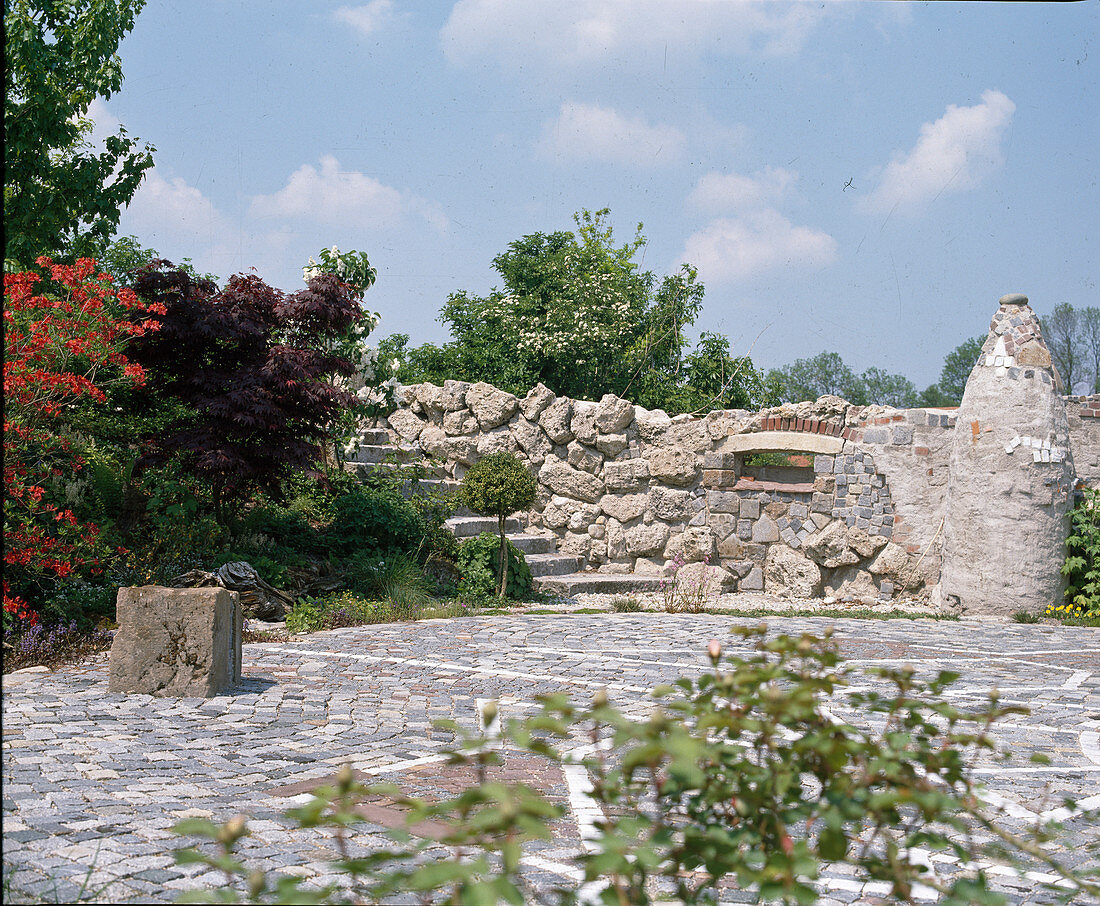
x: 584, y: 457
x: 623, y: 507
x: 791, y: 574
x: 555, y: 420
x: 490, y: 406
x: 627, y: 475
x: 753, y: 580
x: 672, y: 465
x: 583, y: 423
x: 562, y: 478
x: 611, y: 444
x: 532, y: 440
x: 538, y: 398
x: 453, y: 397
x: 407, y: 425
x: 182, y: 642
x: 613, y: 414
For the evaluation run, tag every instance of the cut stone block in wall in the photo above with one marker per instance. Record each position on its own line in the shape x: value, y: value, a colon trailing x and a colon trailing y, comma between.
x: 183, y: 642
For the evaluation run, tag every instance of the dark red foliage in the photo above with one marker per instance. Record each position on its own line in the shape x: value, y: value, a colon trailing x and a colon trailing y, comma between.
x: 253, y: 365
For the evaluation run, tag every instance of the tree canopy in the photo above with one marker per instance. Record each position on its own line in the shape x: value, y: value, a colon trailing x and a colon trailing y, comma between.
x: 61, y: 196
x: 578, y: 314
x: 1073, y: 337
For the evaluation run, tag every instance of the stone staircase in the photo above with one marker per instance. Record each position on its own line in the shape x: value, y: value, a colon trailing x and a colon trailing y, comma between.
x: 549, y: 568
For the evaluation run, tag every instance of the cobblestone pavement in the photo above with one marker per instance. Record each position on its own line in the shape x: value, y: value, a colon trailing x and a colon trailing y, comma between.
x: 93, y: 778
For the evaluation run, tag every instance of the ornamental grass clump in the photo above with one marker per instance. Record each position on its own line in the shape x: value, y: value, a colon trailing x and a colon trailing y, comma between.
x: 499, y: 485
x: 742, y: 777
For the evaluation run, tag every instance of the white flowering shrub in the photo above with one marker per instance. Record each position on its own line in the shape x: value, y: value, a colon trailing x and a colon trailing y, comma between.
x: 578, y: 314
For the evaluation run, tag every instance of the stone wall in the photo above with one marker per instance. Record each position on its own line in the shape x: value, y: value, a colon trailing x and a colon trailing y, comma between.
x: 1083, y: 413
x: 856, y: 514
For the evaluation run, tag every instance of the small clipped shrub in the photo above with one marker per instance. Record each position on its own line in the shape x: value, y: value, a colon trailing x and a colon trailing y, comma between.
x: 499, y: 485
x: 1082, y: 566
x: 478, y: 562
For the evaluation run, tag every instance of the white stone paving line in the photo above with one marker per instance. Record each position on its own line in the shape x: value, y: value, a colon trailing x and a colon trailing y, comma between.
x: 1090, y: 745
x: 452, y: 667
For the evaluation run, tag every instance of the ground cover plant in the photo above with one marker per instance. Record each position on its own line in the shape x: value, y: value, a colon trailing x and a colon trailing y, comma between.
x: 742, y: 775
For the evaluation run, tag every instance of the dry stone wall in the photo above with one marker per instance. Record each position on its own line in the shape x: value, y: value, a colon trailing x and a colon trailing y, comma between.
x: 816, y: 498
x: 855, y: 513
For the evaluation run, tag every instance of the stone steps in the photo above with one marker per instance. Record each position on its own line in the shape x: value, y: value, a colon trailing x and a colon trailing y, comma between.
x: 472, y: 526
x: 532, y: 545
x: 551, y: 570
x: 577, y: 583
x: 548, y: 565
x: 381, y: 454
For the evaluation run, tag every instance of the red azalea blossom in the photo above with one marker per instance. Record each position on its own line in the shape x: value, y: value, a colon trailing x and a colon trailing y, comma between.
x: 65, y: 329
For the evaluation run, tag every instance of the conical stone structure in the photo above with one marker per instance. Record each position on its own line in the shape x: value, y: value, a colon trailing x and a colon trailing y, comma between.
x: 1010, y: 487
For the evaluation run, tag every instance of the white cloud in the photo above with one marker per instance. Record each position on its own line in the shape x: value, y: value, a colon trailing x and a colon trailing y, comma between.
x: 162, y: 204
x: 570, y: 34
x: 732, y: 191
x: 590, y: 132
x: 368, y: 18
x: 956, y: 152
x: 731, y: 249
x: 337, y: 197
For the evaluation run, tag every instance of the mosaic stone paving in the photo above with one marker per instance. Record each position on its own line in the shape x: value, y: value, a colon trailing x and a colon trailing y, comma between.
x: 93, y: 778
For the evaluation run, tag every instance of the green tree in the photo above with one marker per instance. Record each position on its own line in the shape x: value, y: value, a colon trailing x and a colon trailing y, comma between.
x: 61, y: 196
x: 888, y: 389
x: 577, y: 313
x: 1090, y: 331
x: 958, y: 364
x: 499, y: 485
x: 126, y: 255
x: 823, y: 375
x: 1061, y: 330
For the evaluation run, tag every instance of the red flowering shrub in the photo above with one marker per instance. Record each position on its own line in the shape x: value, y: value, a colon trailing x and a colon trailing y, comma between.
x: 65, y: 330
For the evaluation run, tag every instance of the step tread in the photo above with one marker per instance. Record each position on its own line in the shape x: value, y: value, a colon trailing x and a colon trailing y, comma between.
x: 547, y: 565
x: 598, y: 583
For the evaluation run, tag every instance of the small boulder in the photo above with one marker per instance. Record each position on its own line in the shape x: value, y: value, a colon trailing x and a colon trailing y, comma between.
x: 538, y: 398
x: 555, y: 420
x: 791, y: 574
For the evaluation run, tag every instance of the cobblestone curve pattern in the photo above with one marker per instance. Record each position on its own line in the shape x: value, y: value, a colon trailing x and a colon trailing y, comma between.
x: 97, y: 779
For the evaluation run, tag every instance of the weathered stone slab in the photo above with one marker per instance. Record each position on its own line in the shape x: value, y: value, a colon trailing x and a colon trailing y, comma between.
x: 182, y: 642
x: 782, y: 440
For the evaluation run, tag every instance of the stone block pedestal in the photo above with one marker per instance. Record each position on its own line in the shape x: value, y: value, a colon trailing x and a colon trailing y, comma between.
x: 182, y: 642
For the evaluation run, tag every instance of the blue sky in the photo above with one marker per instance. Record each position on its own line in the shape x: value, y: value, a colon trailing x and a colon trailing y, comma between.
x: 867, y: 177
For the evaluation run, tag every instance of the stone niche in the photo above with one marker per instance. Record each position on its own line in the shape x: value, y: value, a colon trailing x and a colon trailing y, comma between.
x: 183, y: 642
